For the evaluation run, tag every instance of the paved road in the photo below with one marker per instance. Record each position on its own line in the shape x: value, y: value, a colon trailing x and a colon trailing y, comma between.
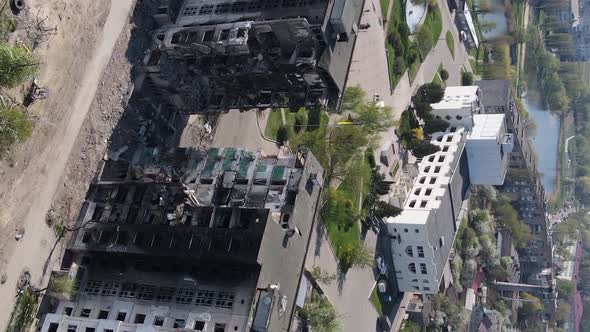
x: 369, y: 63
x: 350, y: 294
x: 240, y: 130
x: 31, y: 251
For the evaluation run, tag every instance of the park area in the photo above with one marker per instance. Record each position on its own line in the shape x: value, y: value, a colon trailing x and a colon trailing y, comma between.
x: 406, y: 51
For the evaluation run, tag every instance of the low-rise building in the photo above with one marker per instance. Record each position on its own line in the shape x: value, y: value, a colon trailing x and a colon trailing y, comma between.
x: 209, y: 240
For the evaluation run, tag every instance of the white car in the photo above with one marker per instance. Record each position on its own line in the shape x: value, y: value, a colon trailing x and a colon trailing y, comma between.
x: 381, y: 265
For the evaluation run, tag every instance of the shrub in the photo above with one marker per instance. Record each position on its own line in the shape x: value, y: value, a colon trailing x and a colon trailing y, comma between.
x: 429, y: 93
x: 421, y: 149
x: 282, y: 134
x: 314, y: 118
x: 467, y: 78
x: 383, y: 210
x: 300, y: 122
x: 434, y: 125
x: 17, y: 64
x: 425, y: 40
x: 399, y: 65
x: 15, y: 126
x: 444, y: 75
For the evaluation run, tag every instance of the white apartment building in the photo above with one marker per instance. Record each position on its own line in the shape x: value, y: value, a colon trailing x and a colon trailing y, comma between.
x: 458, y: 106
x: 488, y: 149
x: 422, y: 235
x: 473, y: 150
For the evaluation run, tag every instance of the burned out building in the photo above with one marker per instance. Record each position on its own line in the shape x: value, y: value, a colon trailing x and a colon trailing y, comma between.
x: 251, y: 54
x: 210, y: 240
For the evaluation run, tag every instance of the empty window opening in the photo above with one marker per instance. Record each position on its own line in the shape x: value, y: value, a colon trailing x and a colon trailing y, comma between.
x: 139, y: 319
x: 412, y: 204
x: 441, y: 241
x: 199, y: 326
x: 422, y: 180
x: 53, y: 327
x: 85, y: 312
x: 423, y: 269
x: 459, y: 117
x: 72, y: 328
x: 412, y: 267
x: 449, y: 139
x: 68, y: 311
x: 427, y: 169
x: 121, y: 316
x: 417, y: 191
x: 428, y: 192
x: 437, y: 169
x: 426, y: 288
x: 179, y: 323
x: 431, y: 158
x: 416, y: 230
x: 219, y: 327
x: 420, y: 251
x: 423, y: 204
x: 410, y: 251
x: 103, y: 314
x: 405, y: 230
x: 441, y: 159
x: 432, y: 180
x: 445, y: 148
x: 158, y: 321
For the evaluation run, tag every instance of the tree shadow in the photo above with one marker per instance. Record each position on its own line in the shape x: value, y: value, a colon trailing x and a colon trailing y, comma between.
x: 340, y: 279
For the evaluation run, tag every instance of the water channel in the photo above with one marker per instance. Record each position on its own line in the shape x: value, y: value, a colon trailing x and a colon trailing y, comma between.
x: 546, y: 138
x: 545, y: 141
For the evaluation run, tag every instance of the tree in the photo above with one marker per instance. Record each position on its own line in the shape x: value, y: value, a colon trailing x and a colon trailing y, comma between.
x: 565, y: 289
x: 531, y: 306
x: 282, y: 134
x: 562, y: 312
x: 353, y: 99
x: 425, y: 40
x: 373, y: 118
x: 356, y: 255
x: 300, y: 122
x: 17, y: 64
x: 384, y: 210
x: 15, y: 126
x: 429, y: 93
x: 434, y: 125
x: 322, y: 276
x: 444, y: 75
x: 314, y: 119
x: 466, y: 78
x: 320, y: 314
x: 421, y: 149
x: 452, y: 313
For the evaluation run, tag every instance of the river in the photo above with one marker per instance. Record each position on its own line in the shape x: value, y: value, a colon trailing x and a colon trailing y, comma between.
x: 545, y: 141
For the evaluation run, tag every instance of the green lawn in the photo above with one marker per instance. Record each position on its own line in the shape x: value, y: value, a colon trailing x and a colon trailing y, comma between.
x: 275, y: 121
x: 436, y: 79
x: 434, y: 20
x: 396, y: 18
x: 383, y: 308
x: 451, y: 43
x: 384, y: 6
x: 414, y: 70
x: 357, y: 182
x: 273, y: 124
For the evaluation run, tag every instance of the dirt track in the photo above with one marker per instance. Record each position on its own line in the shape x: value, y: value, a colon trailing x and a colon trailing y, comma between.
x: 74, y: 62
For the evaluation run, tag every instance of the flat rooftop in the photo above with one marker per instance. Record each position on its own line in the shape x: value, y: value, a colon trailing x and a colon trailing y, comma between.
x: 457, y: 97
x: 486, y: 126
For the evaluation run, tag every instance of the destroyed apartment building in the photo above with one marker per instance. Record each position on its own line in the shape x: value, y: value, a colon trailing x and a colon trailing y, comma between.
x: 211, y: 240
x: 212, y: 55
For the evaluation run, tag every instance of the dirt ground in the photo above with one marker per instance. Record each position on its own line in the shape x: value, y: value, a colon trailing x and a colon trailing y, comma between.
x: 74, y: 59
